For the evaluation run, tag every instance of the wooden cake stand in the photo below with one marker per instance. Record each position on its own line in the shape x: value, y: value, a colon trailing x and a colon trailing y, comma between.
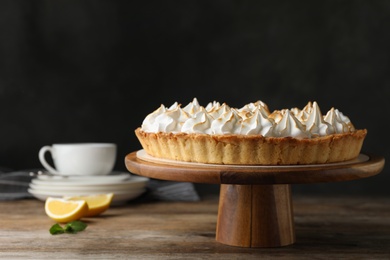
x: 255, y: 204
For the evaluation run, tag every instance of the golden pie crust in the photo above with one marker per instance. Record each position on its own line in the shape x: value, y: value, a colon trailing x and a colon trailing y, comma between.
x: 252, y: 149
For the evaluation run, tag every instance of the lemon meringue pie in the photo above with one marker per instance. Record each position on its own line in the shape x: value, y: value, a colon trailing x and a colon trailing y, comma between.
x: 220, y: 134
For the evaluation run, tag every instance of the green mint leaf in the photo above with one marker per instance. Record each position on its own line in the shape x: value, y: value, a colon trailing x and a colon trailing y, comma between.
x: 71, y: 227
x: 56, y: 229
x: 75, y: 226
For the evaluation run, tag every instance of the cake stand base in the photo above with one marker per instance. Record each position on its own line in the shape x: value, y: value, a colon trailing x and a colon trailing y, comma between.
x: 255, y: 215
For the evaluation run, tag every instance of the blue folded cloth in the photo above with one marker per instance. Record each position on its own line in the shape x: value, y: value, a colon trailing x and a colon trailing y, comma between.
x: 14, y: 184
x: 172, y: 191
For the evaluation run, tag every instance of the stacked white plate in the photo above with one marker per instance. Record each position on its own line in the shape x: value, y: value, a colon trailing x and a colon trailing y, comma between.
x: 125, y: 186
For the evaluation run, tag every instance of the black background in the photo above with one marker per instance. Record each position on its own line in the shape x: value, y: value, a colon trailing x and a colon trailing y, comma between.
x: 90, y: 71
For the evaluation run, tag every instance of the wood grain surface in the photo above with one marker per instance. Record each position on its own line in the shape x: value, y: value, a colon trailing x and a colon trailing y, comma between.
x: 326, y: 228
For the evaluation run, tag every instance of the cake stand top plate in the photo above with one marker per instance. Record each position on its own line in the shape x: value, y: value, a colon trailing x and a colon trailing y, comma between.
x: 366, y: 165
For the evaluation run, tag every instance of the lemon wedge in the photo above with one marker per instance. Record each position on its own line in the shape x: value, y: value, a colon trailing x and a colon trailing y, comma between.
x: 62, y: 210
x: 97, y: 203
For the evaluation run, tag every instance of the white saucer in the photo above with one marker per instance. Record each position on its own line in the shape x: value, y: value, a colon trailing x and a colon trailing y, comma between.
x: 130, y: 182
x: 112, y: 177
x: 100, y: 189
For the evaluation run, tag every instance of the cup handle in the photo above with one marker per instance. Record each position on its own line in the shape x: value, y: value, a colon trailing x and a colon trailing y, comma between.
x: 41, y: 154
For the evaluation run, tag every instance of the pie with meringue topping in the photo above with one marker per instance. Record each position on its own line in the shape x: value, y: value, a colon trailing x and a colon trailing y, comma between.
x: 250, y: 135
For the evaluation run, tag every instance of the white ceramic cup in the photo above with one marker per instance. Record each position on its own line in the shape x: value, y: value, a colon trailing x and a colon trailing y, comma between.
x: 80, y: 158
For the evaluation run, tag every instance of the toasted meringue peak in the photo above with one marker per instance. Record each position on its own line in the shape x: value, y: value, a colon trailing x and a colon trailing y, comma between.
x: 263, y: 105
x: 289, y: 125
x: 150, y: 124
x: 295, y: 111
x: 212, y: 106
x: 276, y: 116
x: 315, y: 122
x: 308, y: 107
x: 252, y: 107
x: 174, y: 106
x: 339, y: 121
x: 302, y: 115
x: 193, y: 107
x: 216, y: 111
x: 225, y: 123
x: 199, y: 123
x: 256, y: 124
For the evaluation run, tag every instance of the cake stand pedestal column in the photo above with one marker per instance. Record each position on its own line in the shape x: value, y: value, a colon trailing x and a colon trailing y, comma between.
x: 255, y: 215
x: 255, y: 205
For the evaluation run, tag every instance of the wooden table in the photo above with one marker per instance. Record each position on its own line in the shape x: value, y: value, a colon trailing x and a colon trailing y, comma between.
x: 326, y: 228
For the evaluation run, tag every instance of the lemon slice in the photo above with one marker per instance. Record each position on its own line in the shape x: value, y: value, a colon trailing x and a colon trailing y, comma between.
x: 97, y: 203
x: 62, y: 210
